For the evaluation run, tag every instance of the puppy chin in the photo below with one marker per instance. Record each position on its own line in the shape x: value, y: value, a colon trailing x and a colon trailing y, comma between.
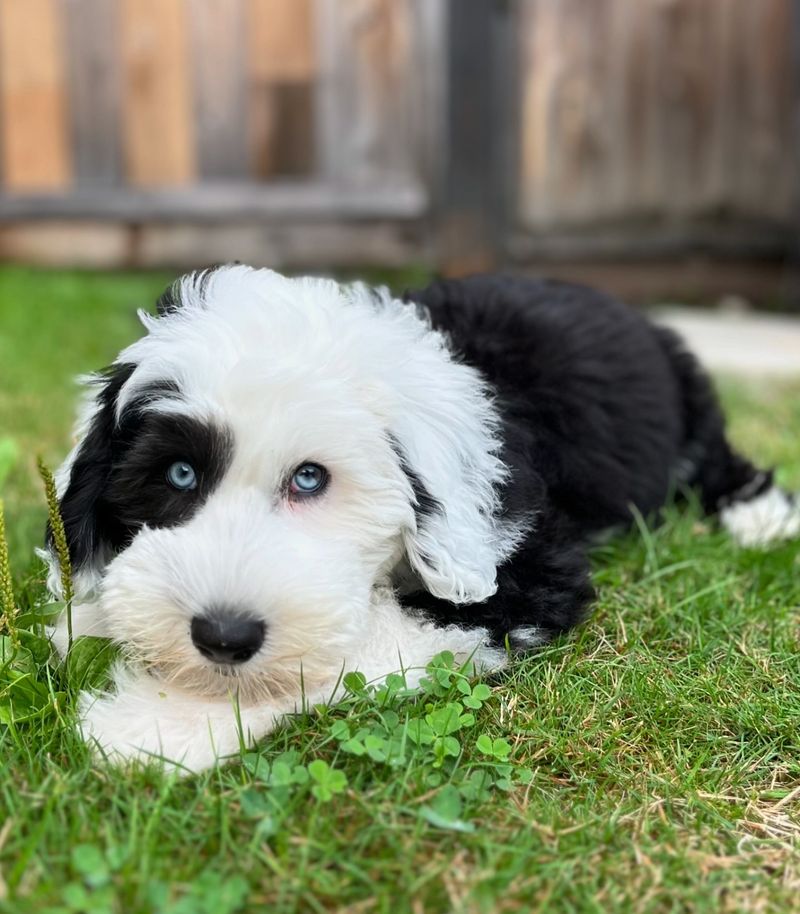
x: 251, y: 684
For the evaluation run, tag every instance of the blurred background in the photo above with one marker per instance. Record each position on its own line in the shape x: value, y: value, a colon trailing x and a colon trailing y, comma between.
x: 647, y: 146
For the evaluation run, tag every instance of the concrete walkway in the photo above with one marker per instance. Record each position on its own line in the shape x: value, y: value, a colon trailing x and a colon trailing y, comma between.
x: 747, y: 343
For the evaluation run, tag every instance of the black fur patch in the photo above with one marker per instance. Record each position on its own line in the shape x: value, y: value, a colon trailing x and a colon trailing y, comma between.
x: 170, y: 300
x: 425, y: 504
x: 118, y: 480
x: 599, y: 409
x: 138, y: 493
x: 90, y: 470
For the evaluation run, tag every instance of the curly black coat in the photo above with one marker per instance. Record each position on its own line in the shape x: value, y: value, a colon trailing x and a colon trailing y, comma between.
x: 603, y: 412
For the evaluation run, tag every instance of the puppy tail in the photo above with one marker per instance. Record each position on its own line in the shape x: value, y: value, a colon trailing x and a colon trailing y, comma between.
x: 749, y: 504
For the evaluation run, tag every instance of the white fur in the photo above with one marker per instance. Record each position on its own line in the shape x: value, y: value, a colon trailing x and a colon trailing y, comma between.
x: 297, y: 370
x: 767, y: 518
x: 527, y: 636
x: 336, y: 356
x: 146, y: 717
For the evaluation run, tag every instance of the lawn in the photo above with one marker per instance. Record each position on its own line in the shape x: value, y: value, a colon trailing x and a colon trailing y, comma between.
x: 648, y: 762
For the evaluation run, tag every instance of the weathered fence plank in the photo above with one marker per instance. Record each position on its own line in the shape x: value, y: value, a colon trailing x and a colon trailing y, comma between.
x: 281, y: 45
x: 281, y: 64
x: 645, y: 128
x: 218, y: 46
x: 94, y: 90
x: 767, y: 155
x: 654, y: 109
x: 35, y: 146
x: 301, y: 200
x: 159, y: 126
x: 365, y: 119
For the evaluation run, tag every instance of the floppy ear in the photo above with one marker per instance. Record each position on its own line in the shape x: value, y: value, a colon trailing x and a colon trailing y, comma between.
x: 446, y: 436
x: 81, y: 482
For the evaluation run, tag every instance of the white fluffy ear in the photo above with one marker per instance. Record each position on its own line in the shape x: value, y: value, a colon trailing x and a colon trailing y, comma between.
x: 452, y: 556
x: 446, y: 432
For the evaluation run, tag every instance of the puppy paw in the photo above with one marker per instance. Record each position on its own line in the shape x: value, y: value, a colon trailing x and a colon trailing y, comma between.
x: 122, y: 735
x: 145, y: 723
x: 146, y: 720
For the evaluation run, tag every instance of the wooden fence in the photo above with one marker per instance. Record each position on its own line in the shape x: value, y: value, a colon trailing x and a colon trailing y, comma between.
x: 670, y: 109
x: 367, y: 129
x: 171, y: 93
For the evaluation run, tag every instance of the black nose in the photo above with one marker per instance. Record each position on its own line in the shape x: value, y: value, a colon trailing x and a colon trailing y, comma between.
x: 227, y: 638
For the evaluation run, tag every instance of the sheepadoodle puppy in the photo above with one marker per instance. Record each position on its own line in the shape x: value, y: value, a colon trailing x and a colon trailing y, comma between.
x: 285, y: 479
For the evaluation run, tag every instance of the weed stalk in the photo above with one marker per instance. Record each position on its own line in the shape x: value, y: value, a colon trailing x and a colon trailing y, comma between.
x: 59, y: 542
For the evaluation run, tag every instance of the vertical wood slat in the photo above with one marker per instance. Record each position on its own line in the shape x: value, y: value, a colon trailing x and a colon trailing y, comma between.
x: 93, y: 66
x: 218, y: 51
x: 281, y: 47
x: 666, y: 91
x: 157, y: 97
x: 365, y: 118
x: 281, y: 69
x: 426, y: 95
x: 653, y: 109
x: 767, y: 158
x: 35, y: 146
x: 280, y: 130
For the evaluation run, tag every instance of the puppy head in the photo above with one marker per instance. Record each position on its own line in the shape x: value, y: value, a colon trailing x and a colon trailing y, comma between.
x: 269, y: 453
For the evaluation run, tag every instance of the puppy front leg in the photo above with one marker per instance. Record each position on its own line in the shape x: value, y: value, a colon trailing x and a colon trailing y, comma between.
x: 87, y: 619
x: 146, y: 719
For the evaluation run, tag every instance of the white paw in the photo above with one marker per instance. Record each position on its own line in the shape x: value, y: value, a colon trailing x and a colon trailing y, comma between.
x: 123, y: 735
x: 146, y: 721
x: 769, y: 517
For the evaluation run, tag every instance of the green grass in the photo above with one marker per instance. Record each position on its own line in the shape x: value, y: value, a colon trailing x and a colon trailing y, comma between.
x: 654, y: 754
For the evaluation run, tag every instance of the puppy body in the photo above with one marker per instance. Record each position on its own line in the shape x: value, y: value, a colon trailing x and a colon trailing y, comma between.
x: 602, y: 412
x: 471, y: 439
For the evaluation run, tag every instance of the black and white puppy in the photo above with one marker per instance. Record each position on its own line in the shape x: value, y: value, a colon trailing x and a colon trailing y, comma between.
x: 288, y: 478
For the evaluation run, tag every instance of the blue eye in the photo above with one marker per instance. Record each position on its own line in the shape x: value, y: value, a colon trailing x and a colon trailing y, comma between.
x: 181, y: 476
x: 308, y: 479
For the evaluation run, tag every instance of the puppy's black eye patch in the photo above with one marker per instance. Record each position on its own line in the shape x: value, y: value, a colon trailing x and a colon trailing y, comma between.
x: 141, y: 488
